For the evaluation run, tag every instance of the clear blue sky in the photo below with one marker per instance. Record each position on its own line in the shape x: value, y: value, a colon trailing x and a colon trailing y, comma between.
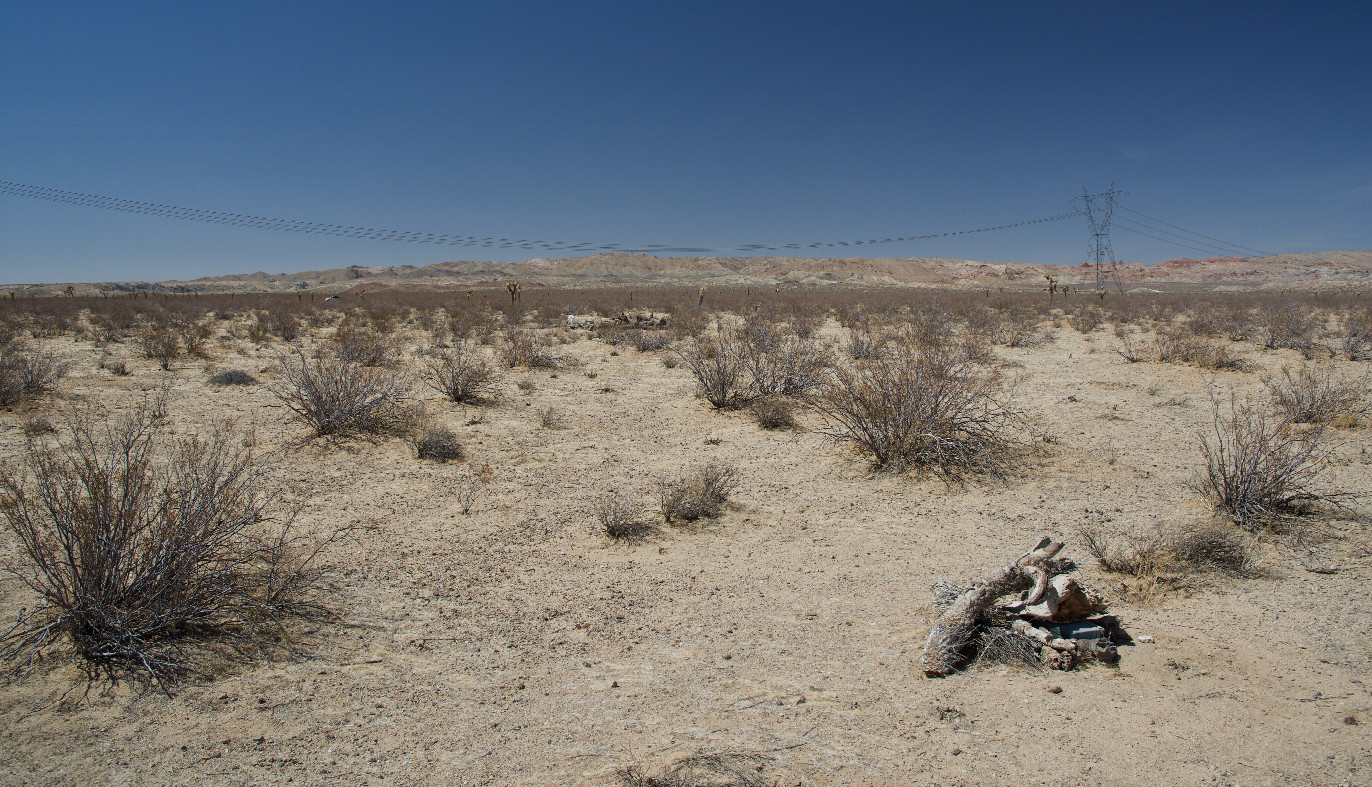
x: 677, y: 123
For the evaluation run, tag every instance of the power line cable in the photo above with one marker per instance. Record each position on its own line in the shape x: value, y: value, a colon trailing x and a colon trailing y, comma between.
x: 1210, y: 248
x: 1165, y: 240
x: 1192, y: 232
x: 402, y: 236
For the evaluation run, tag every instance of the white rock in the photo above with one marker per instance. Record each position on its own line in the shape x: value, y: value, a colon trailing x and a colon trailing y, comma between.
x: 1146, y: 638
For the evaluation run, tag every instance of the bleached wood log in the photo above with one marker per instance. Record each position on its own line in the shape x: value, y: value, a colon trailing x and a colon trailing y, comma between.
x: 955, y: 627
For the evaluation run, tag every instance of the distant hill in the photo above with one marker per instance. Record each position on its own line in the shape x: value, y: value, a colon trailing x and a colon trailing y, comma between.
x: 1321, y: 270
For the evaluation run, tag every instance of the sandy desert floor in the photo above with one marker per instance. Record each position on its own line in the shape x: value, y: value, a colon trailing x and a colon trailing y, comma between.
x: 519, y: 645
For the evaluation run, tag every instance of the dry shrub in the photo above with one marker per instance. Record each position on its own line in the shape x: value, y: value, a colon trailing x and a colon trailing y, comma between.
x: 620, y: 515
x: 929, y: 407
x: 28, y: 372
x: 782, y: 363
x: 1355, y: 334
x: 151, y: 560
x: 699, y: 495
x: 161, y: 342
x: 774, y: 414
x: 1291, y: 326
x: 1086, y: 319
x: 525, y: 348
x: 193, y: 335
x: 437, y: 444
x: 465, y: 487
x: 232, y: 377
x: 1211, y: 545
x: 1130, y: 349
x: 551, y: 418
x: 1313, y: 395
x: 735, y: 366
x: 865, y: 341
x: 646, y: 341
x: 37, y: 427
x: 717, y: 364
x: 281, y: 324
x: 335, y: 396
x: 1182, y: 343
x: 701, y: 770
x: 1019, y: 326
x: 1260, y: 469
x: 357, y: 345
x: 462, y: 373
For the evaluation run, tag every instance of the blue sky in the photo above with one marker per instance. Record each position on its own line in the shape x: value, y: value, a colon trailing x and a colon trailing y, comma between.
x: 700, y: 123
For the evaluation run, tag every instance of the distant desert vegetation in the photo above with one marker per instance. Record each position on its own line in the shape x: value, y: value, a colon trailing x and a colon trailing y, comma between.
x: 1314, y: 271
x: 628, y: 521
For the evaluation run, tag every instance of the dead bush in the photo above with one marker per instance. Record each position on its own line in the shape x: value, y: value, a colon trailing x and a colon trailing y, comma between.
x: 701, y: 770
x: 161, y: 342
x: 735, y: 366
x: 1212, y: 545
x: 620, y: 514
x: 152, y: 560
x: 1314, y: 395
x: 357, y: 345
x: 782, y: 363
x: 1130, y: 349
x: 465, y: 487
x: 37, y: 427
x: 718, y: 366
x: 28, y: 372
x: 1181, y: 343
x: 462, y: 373
x: 1289, y: 325
x: 551, y: 418
x: 699, y: 495
x: 928, y: 408
x: 865, y: 341
x: 1086, y: 319
x: 232, y: 377
x: 1260, y: 469
x: 267, y: 324
x: 647, y: 341
x: 118, y: 368
x: 525, y: 348
x: 437, y: 444
x: 1179, y: 551
x: 1019, y: 326
x: 335, y: 396
x: 192, y: 335
x: 1355, y: 334
x: 774, y: 414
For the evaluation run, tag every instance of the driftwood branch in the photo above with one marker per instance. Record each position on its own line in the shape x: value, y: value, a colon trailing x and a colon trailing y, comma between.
x: 955, y: 627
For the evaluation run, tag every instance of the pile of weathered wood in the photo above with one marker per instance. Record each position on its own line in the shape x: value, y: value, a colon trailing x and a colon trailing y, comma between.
x: 1049, y: 613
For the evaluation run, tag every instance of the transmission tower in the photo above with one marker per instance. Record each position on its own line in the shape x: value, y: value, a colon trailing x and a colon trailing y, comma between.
x: 1098, y: 209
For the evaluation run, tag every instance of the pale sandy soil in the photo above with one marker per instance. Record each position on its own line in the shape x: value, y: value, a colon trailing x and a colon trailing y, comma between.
x: 517, y: 645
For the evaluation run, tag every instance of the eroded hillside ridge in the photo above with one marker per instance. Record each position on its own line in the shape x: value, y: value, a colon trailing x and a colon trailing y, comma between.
x: 1331, y: 269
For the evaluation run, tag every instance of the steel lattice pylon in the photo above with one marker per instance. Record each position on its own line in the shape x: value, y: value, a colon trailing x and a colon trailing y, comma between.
x: 1098, y: 209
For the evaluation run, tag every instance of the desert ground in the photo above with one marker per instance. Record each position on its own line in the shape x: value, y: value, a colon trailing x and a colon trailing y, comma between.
x: 519, y: 644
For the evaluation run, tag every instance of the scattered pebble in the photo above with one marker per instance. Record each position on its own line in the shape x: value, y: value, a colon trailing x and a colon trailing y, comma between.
x: 1055, y: 690
x: 1350, y: 719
